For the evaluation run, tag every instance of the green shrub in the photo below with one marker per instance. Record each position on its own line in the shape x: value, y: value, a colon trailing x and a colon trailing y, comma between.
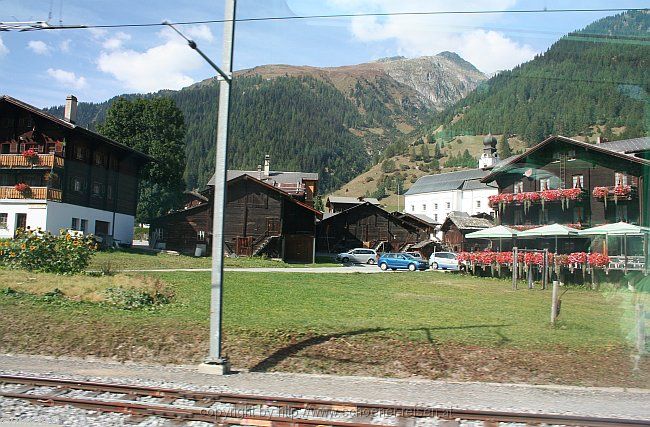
x: 34, y: 250
x: 134, y: 299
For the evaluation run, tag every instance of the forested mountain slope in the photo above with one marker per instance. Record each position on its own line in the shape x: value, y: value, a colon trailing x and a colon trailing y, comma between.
x: 594, y: 77
x: 327, y: 120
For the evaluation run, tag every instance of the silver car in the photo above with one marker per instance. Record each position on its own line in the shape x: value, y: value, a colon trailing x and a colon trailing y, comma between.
x: 358, y: 256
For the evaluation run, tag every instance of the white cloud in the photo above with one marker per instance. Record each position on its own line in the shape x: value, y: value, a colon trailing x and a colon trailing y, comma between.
x: 488, y: 50
x: 64, y: 46
x: 116, y: 41
x: 67, y: 78
x: 3, y: 49
x: 200, y: 33
x: 168, y: 65
x: 39, y: 47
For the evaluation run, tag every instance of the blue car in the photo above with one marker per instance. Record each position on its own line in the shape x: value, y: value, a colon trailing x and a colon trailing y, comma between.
x: 396, y: 261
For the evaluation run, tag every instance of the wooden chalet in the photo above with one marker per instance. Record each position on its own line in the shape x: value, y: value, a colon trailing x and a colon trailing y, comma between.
x: 365, y: 225
x: 57, y: 175
x: 459, y: 224
x: 565, y: 181
x: 260, y: 219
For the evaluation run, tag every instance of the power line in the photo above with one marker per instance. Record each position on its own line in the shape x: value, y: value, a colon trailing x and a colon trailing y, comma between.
x: 333, y: 16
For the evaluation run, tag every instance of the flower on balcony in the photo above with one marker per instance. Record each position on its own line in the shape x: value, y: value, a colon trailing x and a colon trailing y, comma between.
x: 617, y: 191
x: 24, y: 189
x: 597, y: 259
x: 600, y: 192
x: 30, y: 155
x: 577, y: 258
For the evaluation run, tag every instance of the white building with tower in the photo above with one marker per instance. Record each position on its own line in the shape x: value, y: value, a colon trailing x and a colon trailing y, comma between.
x: 438, y: 195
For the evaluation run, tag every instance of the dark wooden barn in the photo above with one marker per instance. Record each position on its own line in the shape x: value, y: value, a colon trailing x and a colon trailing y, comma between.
x: 260, y: 219
x: 365, y: 225
x: 457, y: 226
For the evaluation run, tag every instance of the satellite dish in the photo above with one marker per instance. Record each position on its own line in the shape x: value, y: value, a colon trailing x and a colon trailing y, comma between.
x: 528, y: 173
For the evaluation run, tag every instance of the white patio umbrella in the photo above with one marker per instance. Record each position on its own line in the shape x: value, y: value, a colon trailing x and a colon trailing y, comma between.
x: 499, y: 232
x: 622, y: 229
x: 553, y: 230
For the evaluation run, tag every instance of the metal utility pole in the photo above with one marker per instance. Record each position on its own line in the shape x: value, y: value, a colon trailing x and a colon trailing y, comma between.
x: 216, y: 362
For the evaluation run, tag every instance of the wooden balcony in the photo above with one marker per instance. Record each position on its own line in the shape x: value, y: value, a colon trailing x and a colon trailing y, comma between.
x: 37, y: 193
x: 17, y: 161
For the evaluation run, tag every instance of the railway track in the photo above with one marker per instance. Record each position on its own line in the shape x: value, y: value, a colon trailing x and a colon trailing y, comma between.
x: 231, y: 409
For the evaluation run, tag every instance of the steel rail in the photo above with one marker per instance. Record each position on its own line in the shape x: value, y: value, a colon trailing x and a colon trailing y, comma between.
x: 203, y: 398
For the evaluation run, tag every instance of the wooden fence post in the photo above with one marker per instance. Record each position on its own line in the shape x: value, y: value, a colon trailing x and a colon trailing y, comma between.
x: 545, y: 272
x: 554, y: 301
x: 640, y: 329
x: 515, y: 268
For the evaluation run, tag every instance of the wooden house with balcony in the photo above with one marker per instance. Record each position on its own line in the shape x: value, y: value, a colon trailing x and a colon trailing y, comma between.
x: 56, y: 175
x: 566, y: 181
x: 272, y: 217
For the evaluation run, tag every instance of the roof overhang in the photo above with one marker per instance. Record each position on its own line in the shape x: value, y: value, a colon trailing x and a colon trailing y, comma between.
x: 517, y: 161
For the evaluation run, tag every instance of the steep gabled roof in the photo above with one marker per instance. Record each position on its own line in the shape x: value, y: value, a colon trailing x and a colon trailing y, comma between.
x: 449, y: 181
x: 282, y: 193
x: 423, y: 219
x: 366, y: 205
x: 352, y: 200
x: 600, y: 148
x: 628, y: 146
x: 463, y: 221
x: 71, y: 126
x: 280, y: 177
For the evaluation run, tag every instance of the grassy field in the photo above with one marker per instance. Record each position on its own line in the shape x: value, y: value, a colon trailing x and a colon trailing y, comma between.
x: 134, y: 259
x: 426, y: 324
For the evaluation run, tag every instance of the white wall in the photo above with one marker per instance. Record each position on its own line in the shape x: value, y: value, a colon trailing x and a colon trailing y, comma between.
x: 439, y: 204
x: 60, y: 216
x: 36, y: 211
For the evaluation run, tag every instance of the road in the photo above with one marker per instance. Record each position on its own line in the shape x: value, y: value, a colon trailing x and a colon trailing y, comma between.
x: 356, y: 268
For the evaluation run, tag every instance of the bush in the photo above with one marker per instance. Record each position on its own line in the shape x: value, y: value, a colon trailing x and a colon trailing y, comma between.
x: 34, y: 250
x: 134, y: 299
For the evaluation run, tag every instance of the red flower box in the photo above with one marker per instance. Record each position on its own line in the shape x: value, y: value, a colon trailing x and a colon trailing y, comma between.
x: 23, y: 189
x: 30, y: 154
x: 597, y: 259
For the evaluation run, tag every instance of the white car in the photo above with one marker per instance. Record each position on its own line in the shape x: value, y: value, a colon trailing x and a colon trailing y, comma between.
x: 444, y: 261
x: 358, y: 256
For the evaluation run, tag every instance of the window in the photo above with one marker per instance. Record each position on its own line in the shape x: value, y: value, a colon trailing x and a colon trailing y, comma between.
x: 578, y: 181
x: 424, y: 207
x: 80, y: 153
x: 3, y: 220
x: 519, y: 217
x: 435, y: 206
x: 200, y: 236
x: 97, y: 188
x: 571, y: 155
x: 77, y: 185
x: 435, y: 217
x: 620, y: 178
x: 99, y: 159
x: 75, y: 224
x: 478, y: 203
x: 544, y: 184
x: 412, y: 208
x: 83, y: 226
x: 448, y: 205
x: 160, y: 234
x: 519, y: 187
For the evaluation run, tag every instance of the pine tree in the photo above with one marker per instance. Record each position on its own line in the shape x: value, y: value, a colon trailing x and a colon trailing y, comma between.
x: 503, y: 147
x: 424, y: 153
x: 437, y: 154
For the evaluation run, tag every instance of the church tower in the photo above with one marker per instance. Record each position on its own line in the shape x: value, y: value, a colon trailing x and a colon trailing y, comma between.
x: 489, y: 158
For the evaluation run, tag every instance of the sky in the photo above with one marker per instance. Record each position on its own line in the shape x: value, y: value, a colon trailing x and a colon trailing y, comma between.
x: 42, y: 67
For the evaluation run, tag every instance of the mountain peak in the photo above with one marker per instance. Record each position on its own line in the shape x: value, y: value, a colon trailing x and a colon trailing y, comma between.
x: 454, y: 57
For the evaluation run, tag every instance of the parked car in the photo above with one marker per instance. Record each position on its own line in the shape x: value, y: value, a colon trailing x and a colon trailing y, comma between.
x: 414, y: 254
x: 444, y: 261
x: 358, y: 255
x: 396, y: 261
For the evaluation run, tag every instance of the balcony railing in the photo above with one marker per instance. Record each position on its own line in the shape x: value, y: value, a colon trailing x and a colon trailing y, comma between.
x: 18, y: 161
x: 37, y: 193
x: 615, y: 193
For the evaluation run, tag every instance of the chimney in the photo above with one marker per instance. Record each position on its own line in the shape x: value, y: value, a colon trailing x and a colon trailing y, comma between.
x: 70, y: 112
x: 599, y: 140
x: 259, y: 171
x: 267, y: 165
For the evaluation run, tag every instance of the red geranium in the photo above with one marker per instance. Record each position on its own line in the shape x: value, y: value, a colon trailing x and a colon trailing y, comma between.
x: 30, y: 154
x: 577, y: 258
x: 23, y: 188
x: 600, y: 192
x: 622, y: 190
x: 597, y: 259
